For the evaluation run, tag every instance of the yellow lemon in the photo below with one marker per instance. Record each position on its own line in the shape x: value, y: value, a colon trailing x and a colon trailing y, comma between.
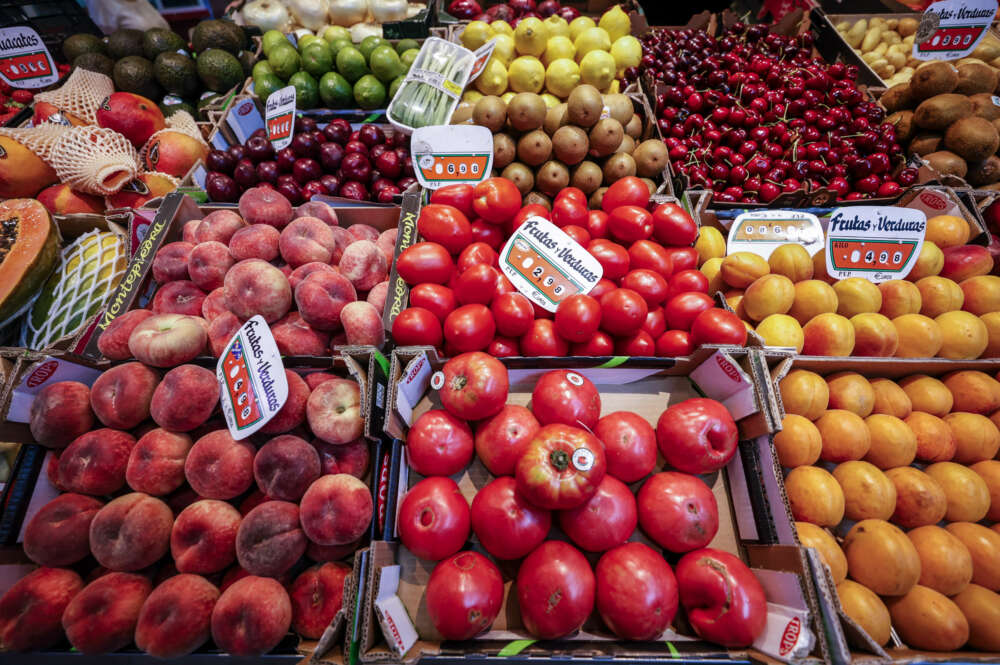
x: 558, y: 47
x: 502, y: 28
x: 579, y: 24
x: 616, y: 22
x: 591, y: 39
x: 550, y: 100
x: 613, y: 89
x: 507, y: 96
x: 531, y: 36
x: 561, y: 77
x: 504, y: 49
x: 627, y: 52
x: 526, y: 74
x: 493, y: 79
x: 476, y: 34
x: 598, y: 69
x: 472, y: 96
x: 557, y: 25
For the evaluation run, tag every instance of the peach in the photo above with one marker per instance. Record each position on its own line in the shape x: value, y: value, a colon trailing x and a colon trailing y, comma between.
x: 285, y: 467
x: 989, y: 471
x: 156, y: 463
x: 378, y: 295
x: 967, y: 494
x: 819, y: 267
x: 963, y: 336
x: 181, y: 498
x: 322, y: 296
x: 176, y: 617
x: 168, y: 340
x: 180, y: 297
x: 342, y: 239
x: 317, y: 209
x: 992, y: 323
x: 334, y: 411
x: 299, y: 274
x: 31, y: 610
x: 306, y: 240
x: 868, y: 493
x: 258, y: 241
x: 189, y: 232
x: 102, y: 617
x: 792, y: 261
x: 798, y: 443
x: 856, y: 295
x: 387, y: 243
x: 899, y: 297
x: 121, y: 395
x: 256, y: 287
x: 947, y: 231
x: 95, y: 462
x: 313, y: 379
x: 113, y: 342
x: 804, y: 393
x: 59, y: 533
x: 945, y: 562
x: 221, y: 330
x: 293, y: 411
x: 185, y: 398
x: 984, y: 546
x: 981, y: 294
x: 203, y: 538
x: 828, y: 335
x: 363, y: 232
x: 214, y: 304
x: 60, y: 412
x: 976, y: 437
x: 851, y: 391
x: 350, y: 458
x: 812, y: 298
x: 317, y: 595
x: 171, y: 262
x: 781, y: 330
x: 260, y: 205
x: 363, y: 324
x: 893, y: 443
x: 324, y: 553
x: 52, y: 469
x: 219, y: 225
x: 874, y: 335
x: 253, y: 500
x: 208, y: 265
x: 919, y: 336
x: 364, y: 264
x: 295, y: 337
x: 920, y: 500
x: 845, y: 436
x: 814, y: 496
x: 939, y: 295
x: 131, y: 532
x: 336, y: 510
x: 251, y: 616
x: 770, y: 294
x: 890, y: 399
x: 219, y: 467
x: 965, y: 261
x: 270, y: 539
x: 935, y: 442
x: 741, y: 269
x: 929, y: 262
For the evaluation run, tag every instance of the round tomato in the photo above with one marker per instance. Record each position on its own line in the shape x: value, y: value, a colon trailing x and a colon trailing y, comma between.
x: 513, y: 314
x: 475, y: 254
x: 469, y: 328
x: 636, y: 592
x: 605, y: 520
x: 563, y: 396
x: 496, y: 200
x: 684, y: 308
x: 614, y: 258
x: 530, y: 210
x: 627, y: 224
x: 464, y: 595
x: 687, y: 280
x: 439, y: 444
x: 629, y: 445
x: 416, y: 326
x: 674, y: 344
x: 683, y: 258
x: 541, y: 312
x: 623, y: 312
x: 501, y: 440
x: 434, y: 518
x: 578, y: 318
x: 651, y: 256
x: 655, y: 323
x: 504, y: 347
x: 457, y: 196
x: 567, y: 211
x: 437, y: 299
x: 444, y: 225
x: 478, y: 284
x: 640, y: 344
x: 491, y: 234
x: 555, y: 590
x: 425, y: 262
x: 574, y: 193
x: 503, y: 286
x: 647, y: 283
x: 628, y: 191
x: 475, y: 386
x: 508, y: 527
x: 603, y: 286
x: 718, y: 326
x: 678, y: 511
x: 600, y: 344
x: 597, y: 224
x: 561, y: 467
x: 673, y: 226
x: 697, y: 435
x: 724, y: 601
x: 578, y: 234
x: 542, y: 340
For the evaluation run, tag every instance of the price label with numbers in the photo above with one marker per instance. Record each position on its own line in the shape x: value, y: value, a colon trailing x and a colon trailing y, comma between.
x: 952, y: 29
x: 251, y: 378
x: 279, y: 117
x: 763, y: 231
x: 878, y: 243
x: 25, y: 61
x: 452, y: 154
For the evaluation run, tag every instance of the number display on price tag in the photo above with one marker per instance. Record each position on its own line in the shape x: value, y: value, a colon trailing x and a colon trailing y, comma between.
x: 25, y: 61
x: 763, y: 231
x: 450, y: 169
x: 952, y: 29
x: 878, y: 243
x: 452, y: 155
x: 252, y: 379
x: 279, y: 117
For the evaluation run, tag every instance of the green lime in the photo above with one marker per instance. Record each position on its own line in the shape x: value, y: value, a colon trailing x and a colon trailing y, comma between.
x: 351, y: 63
x: 335, y: 32
x: 408, y: 57
x: 394, y: 86
x: 262, y: 67
x: 265, y: 84
x: 369, y: 92
x: 335, y: 91
x: 385, y: 63
x: 271, y: 39
x: 317, y: 58
x: 368, y: 45
x: 405, y: 45
x: 285, y: 61
x: 306, y: 90
x: 306, y: 40
x: 338, y: 44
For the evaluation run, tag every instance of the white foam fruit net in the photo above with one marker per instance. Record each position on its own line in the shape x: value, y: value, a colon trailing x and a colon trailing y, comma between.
x: 94, y: 160
x: 81, y: 95
x: 40, y: 140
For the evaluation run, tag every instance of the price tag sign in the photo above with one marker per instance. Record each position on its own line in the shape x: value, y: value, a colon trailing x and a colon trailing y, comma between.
x: 482, y: 54
x: 878, y: 243
x: 763, y: 231
x: 279, y: 117
x: 252, y: 379
x: 244, y: 119
x: 952, y: 29
x: 547, y: 265
x: 25, y: 61
x: 451, y: 154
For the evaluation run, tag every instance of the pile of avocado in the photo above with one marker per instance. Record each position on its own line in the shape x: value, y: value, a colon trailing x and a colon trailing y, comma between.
x: 329, y: 71
x: 160, y: 64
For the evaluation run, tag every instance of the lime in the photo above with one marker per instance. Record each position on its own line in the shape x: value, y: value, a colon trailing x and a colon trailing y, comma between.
x: 351, y: 63
x: 262, y: 67
x: 306, y: 90
x: 408, y: 57
x: 271, y: 39
x: 335, y: 91
x: 368, y: 45
x: 265, y: 84
x: 338, y: 44
x: 385, y: 63
x: 335, y: 32
x: 405, y: 45
x: 285, y: 61
x: 317, y: 59
x: 394, y: 86
x: 306, y: 40
x: 369, y: 92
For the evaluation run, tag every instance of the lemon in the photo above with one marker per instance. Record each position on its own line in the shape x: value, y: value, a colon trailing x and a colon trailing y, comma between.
x: 504, y: 48
x: 530, y: 37
x: 614, y: 88
x: 627, y: 51
x: 502, y: 28
x: 591, y: 39
x: 558, y: 47
x: 526, y: 74
x: 557, y: 25
x: 616, y: 22
x: 476, y: 34
x: 561, y: 77
x: 598, y: 69
x: 472, y: 96
x: 579, y: 24
x: 507, y: 96
x: 493, y: 79
x: 551, y: 100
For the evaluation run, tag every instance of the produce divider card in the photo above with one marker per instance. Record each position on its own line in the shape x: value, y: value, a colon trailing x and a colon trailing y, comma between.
x: 763, y: 231
x: 252, y: 381
x: 25, y: 61
x: 45, y: 372
x: 951, y: 29
x: 279, y: 117
x: 451, y: 154
x: 878, y: 243
x: 244, y: 119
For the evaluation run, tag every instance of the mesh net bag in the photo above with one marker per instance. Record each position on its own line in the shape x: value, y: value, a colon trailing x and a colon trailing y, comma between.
x: 94, y: 160
x: 81, y: 95
x: 40, y: 140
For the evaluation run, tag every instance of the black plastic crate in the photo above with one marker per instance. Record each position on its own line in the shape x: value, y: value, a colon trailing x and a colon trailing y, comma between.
x: 53, y: 20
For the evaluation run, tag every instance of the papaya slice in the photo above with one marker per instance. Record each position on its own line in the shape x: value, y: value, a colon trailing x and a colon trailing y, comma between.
x: 29, y: 250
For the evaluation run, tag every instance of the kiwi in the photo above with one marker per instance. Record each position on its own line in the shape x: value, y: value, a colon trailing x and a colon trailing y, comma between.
x: 985, y: 172
x: 605, y: 137
x: 490, y: 112
x: 552, y: 177
x: 627, y: 144
x: 520, y: 175
x: 570, y: 144
x: 462, y: 114
x: 924, y: 143
x: 650, y: 185
x: 973, y: 139
x: 933, y: 78
x: 620, y: 107
x: 650, y: 158
x: 526, y: 111
x: 903, y: 122
x: 940, y: 111
x: 975, y: 77
x: 943, y: 161
x: 534, y: 147
x: 897, y: 98
x: 634, y: 127
x: 539, y: 198
x: 555, y: 118
x: 994, y: 187
x: 584, y: 106
x: 983, y: 106
x: 595, y: 199
x: 504, y: 150
x: 587, y: 177
x: 618, y: 166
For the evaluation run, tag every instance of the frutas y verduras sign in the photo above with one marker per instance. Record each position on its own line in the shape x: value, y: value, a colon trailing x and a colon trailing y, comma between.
x: 878, y: 243
x: 252, y: 379
x: 951, y: 29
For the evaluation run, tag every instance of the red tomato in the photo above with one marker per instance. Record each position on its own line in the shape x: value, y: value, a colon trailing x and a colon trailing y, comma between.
x: 508, y: 527
x: 577, y: 233
x: 600, y: 344
x: 623, y: 312
x: 563, y: 396
x: 647, y: 283
x: 503, y: 347
x: 629, y: 445
x: 613, y: 257
x: 475, y: 254
x: 578, y: 317
x: 478, y: 284
x: 439, y: 300
x: 718, y: 326
x: 605, y: 520
x: 439, y: 444
x: 446, y: 226
x: 655, y: 323
x: 541, y: 312
x: 597, y: 224
x: 567, y: 211
x: 501, y: 440
x: 561, y: 467
x: 555, y: 590
x: 425, y: 262
x: 724, y: 601
x: 416, y: 326
x: 457, y: 196
x: 542, y: 340
x: 629, y: 191
x: 673, y: 226
x: 513, y: 314
x: 678, y: 511
x: 504, y: 286
x: 697, y: 435
x: 434, y: 518
x: 636, y: 592
x: 674, y: 344
x: 683, y: 309
x: 475, y: 386
x: 640, y: 344
x: 683, y: 258
x: 574, y: 193
x: 628, y: 224
x: 530, y: 210
x: 469, y: 328
x: 496, y: 200
x: 651, y: 256
x: 491, y: 234
x: 464, y: 595
x: 687, y: 280
x: 602, y: 287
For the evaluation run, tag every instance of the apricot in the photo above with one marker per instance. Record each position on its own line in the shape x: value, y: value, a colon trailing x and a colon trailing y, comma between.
x: 711, y: 244
x: 893, y: 443
x: 981, y: 608
x: 856, y: 295
x: 920, y: 500
x: 989, y: 471
x: 928, y: 394
x: 947, y: 231
x: 945, y: 562
x: 798, y: 443
x: 967, y: 493
x: 982, y: 294
x: 819, y: 267
x: 868, y: 494
x: 972, y: 391
x: 874, y: 335
x: 793, y: 261
x: 935, y: 442
x: 734, y: 298
x: 812, y: 298
x: 814, y: 496
x: 712, y: 269
x: 741, y: 269
x: 804, y: 393
x: 984, y: 546
x: 890, y: 399
x: 939, y: 295
x: 781, y: 330
x: 866, y: 609
x: 828, y: 335
x: 820, y: 539
x: 899, y: 297
x: 963, y: 336
x: 880, y: 556
x: 929, y: 262
x: 845, y: 436
x: 770, y: 294
x: 852, y: 392
x: 976, y: 437
x: 992, y: 323
x: 919, y: 336
x: 926, y: 619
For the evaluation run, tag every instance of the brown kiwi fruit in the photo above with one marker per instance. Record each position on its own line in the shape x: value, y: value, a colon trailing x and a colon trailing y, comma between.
x: 897, y: 98
x: 940, y: 111
x: 943, y: 161
x: 650, y: 158
x: 924, y: 143
x: 490, y: 112
x: 627, y: 144
x: 975, y: 77
x: 634, y: 127
x: 933, y: 78
x: 534, y: 147
x: 552, y: 177
x: 504, y: 150
x: 570, y: 144
x: 995, y: 186
x: 520, y: 175
x: 539, y: 198
x: 905, y: 127
x: 555, y: 118
x: 605, y: 137
x: 618, y: 166
x: 526, y: 111
x: 584, y: 106
x: 985, y: 172
x: 650, y: 185
x: 595, y: 199
x: 973, y: 139
x: 462, y: 114
x: 996, y: 123
x: 587, y: 177
x: 984, y: 107
x: 620, y: 107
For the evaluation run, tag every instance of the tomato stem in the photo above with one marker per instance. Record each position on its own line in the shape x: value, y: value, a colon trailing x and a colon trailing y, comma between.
x: 560, y: 459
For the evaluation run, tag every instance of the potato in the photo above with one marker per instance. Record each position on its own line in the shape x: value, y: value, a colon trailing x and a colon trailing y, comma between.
x: 870, y: 57
x: 843, y: 26
x: 890, y: 37
x: 882, y: 68
x: 988, y: 49
x: 896, y: 59
x: 907, y: 26
x: 856, y: 35
x: 871, y: 40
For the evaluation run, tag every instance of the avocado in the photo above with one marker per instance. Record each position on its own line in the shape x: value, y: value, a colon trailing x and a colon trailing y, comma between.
x: 95, y: 62
x: 219, y: 70
x: 217, y: 34
x: 135, y: 74
x: 158, y: 40
x: 124, y: 42
x: 83, y: 42
x: 246, y: 59
x: 207, y: 99
x: 170, y: 109
x: 176, y: 73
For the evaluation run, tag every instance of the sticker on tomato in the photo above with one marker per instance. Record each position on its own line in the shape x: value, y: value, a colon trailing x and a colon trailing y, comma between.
x: 279, y: 117
x: 25, y: 61
x: 252, y: 379
x: 546, y: 265
x: 951, y: 29
x: 451, y: 155
x: 763, y: 231
x: 877, y: 243
x: 582, y: 459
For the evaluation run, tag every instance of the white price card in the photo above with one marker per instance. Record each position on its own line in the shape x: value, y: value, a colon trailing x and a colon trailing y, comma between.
x: 951, y: 29
x: 244, y: 119
x: 251, y: 378
x: 763, y: 231
x: 25, y: 61
x: 451, y: 154
x: 279, y: 116
x: 878, y: 243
